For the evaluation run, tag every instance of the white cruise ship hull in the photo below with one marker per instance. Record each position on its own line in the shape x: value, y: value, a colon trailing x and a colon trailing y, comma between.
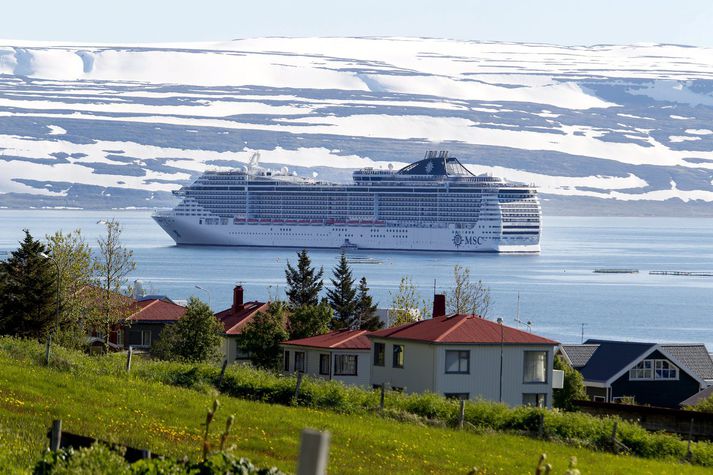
x: 485, y: 236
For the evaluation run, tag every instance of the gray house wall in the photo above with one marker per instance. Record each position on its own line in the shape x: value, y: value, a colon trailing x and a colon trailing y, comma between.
x: 425, y: 370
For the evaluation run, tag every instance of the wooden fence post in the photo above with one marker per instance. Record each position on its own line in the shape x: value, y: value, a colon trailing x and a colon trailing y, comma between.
x: 56, y: 435
x: 461, y: 414
x: 128, y: 359
x: 689, y: 454
x: 613, y: 437
x: 382, y: 398
x: 222, y: 373
x: 47, y: 349
x: 298, y: 385
x: 314, y: 452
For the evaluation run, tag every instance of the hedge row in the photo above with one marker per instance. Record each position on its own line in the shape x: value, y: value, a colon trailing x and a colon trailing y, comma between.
x: 574, y: 428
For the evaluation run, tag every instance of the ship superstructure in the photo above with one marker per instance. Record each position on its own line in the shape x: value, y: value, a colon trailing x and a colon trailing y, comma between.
x: 434, y: 204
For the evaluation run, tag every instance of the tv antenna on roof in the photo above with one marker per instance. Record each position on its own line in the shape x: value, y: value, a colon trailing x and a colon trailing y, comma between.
x: 528, y: 323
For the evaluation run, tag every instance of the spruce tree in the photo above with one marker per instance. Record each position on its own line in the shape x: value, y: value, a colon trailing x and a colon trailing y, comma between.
x: 342, y: 298
x: 28, y: 291
x: 303, y: 283
x: 366, y: 317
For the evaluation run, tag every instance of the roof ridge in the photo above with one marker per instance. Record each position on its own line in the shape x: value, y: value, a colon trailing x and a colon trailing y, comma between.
x: 351, y: 337
x: 452, y: 328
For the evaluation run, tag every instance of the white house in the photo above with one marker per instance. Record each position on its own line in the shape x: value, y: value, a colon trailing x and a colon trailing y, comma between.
x: 467, y: 357
x: 341, y: 355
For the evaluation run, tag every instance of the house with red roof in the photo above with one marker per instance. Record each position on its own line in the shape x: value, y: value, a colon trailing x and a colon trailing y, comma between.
x: 142, y: 328
x: 465, y: 357
x: 234, y: 320
x: 339, y: 355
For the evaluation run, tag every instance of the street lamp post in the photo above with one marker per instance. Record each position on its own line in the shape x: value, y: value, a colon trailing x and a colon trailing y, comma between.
x: 58, y: 303
x: 207, y: 292
x: 502, y: 341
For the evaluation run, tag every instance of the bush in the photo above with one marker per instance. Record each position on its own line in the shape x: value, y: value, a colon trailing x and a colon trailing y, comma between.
x: 245, y: 382
x: 99, y: 459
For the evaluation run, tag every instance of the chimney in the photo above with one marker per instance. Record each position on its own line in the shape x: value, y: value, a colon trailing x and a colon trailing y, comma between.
x: 439, y: 305
x: 238, y: 298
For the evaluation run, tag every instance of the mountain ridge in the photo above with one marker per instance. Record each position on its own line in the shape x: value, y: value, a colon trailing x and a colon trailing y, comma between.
x: 605, y: 129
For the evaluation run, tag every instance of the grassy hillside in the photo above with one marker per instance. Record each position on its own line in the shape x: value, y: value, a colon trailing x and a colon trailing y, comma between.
x: 167, y: 420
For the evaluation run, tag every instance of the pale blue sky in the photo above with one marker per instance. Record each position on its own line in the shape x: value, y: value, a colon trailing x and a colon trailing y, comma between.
x: 549, y: 21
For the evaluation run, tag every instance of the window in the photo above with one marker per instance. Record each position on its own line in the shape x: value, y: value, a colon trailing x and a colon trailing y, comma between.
x: 345, y: 365
x: 240, y: 353
x: 397, y: 360
x: 643, y: 370
x: 140, y: 338
x: 286, y: 361
x: 120, y: 337
x: 457, y: 362
x: 665, y: 370
x: 379, y: 354
x: 653, y: 369
x: 535, y: 367
x: 459, y: 396
x: 300, y: 361
x: 324, y: 364
x: 534, y: 399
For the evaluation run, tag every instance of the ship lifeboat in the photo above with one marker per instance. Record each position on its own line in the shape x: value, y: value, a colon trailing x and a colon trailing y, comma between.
x: 265, y: 221
x: 252, y: 221
x: 380, y: 223
x: 303, y: 221
x: 330, y: 221
x: 353, y: 222
x: 316, y: 221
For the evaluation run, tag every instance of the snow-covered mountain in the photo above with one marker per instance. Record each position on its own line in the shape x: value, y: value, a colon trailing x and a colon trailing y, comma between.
x: 600, y: 129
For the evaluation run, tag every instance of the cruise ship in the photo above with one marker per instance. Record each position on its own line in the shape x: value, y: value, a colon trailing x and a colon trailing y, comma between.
x: 434, y: 204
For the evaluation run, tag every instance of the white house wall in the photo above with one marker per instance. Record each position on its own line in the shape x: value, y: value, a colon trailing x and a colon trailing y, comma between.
x: 483, y: 381
x: 416, y: 376
x: 312, y: 364
x: 424, y: 370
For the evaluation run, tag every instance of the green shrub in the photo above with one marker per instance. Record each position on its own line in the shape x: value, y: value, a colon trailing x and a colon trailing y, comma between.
x: 98, y: 459
x: 245, y: 382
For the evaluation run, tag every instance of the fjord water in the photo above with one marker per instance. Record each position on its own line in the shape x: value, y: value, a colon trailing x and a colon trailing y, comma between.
x: 558, y: 289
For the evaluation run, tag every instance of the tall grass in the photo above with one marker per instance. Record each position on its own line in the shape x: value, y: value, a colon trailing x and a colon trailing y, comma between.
x: 577, y: 429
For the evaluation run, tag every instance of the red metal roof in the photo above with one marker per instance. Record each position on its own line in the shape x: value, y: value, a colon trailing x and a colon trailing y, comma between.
x: 155, y: 310
x: 341, y: 340
x: 466, y: 329
x: 234, y: 320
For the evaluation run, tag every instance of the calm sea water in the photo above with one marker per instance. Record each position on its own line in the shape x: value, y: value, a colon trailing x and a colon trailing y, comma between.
x: 558, y: 290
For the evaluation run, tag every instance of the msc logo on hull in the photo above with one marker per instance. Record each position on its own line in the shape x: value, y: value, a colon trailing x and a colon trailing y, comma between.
x: 459, y: 240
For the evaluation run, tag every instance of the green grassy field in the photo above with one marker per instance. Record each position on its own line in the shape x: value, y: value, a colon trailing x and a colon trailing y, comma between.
x: 167, y: 421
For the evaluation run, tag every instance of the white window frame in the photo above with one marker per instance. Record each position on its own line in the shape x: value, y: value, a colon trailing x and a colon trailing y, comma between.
x: 340, y: 364
x: 525, y: 371
x: 461, y: 356
x: 653, y: 369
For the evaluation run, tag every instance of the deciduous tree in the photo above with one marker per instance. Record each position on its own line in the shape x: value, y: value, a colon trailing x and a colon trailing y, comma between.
x: 407, y: 306
x: 573, y: 387
x: 72, y: 258
x: 310, y: 320
x: 195, y: 337
x: 113, y: 263
x: 303, y: 283
x: 263, y: 335
x: 467, y: 297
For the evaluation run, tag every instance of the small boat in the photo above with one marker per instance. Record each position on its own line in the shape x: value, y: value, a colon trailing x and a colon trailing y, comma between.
x: 348, y: 246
